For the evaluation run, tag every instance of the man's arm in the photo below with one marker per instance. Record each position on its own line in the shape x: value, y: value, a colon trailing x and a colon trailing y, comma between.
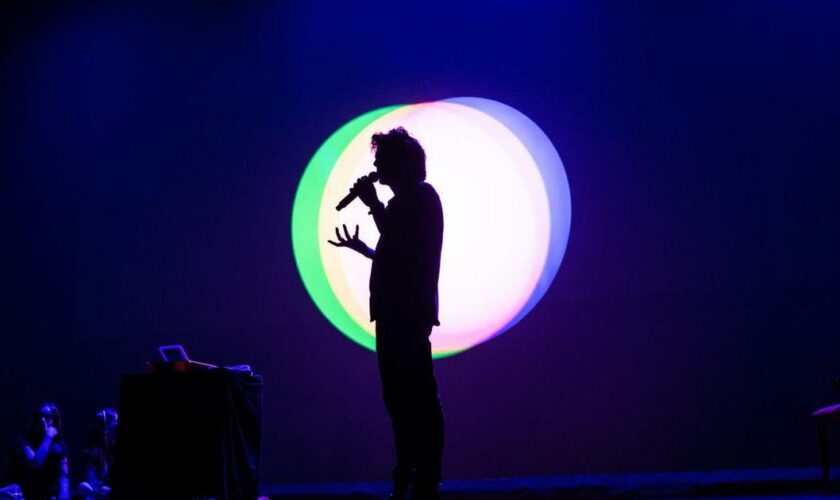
x: 377, y: 210
x: 367, y: 193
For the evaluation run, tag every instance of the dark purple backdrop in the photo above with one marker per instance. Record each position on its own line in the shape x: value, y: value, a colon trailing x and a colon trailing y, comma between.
x: 151, y: 154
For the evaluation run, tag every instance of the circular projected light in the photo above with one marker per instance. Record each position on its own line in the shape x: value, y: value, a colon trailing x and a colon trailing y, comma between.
x: 506, y: 206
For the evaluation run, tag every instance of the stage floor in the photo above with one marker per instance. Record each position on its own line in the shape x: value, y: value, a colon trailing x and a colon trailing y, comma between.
x: 533, y: 496
x: 800, y: 483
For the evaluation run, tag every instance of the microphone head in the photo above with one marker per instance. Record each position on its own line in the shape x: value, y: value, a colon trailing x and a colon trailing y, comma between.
x: 373, y: 176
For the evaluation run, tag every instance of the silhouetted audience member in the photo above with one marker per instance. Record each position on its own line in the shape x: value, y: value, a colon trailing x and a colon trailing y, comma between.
x: 98, y: 457
x: 403, y: 302
x: 39, y: 463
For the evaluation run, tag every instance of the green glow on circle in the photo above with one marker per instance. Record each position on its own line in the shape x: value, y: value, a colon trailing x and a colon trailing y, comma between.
x: 305, y: 236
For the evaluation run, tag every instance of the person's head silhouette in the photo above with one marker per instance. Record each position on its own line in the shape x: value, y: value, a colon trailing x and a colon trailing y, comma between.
x: 400, y: 159
x: 46, y: 417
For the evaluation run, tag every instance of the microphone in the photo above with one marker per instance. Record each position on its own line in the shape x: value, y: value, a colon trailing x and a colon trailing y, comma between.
x: 352, y: 195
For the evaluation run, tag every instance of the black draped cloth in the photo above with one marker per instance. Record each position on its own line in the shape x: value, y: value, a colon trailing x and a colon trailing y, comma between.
x: 189, y: 434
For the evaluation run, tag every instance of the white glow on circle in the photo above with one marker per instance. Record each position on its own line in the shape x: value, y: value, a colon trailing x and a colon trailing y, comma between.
x: 496, y: 214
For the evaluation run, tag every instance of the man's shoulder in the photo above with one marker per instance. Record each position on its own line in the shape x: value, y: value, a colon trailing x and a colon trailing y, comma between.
x: 427, y: 192
x: 425, y: 187
x: 422, y: 192
x: 426, y: 200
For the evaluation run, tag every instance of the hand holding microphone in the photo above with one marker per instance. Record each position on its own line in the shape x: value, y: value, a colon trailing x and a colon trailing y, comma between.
x: 362, y: 189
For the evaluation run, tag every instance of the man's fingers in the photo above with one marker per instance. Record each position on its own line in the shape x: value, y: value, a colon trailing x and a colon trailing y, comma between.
x: 344, y: 239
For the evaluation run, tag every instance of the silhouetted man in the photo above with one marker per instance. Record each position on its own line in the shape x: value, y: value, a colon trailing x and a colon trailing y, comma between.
x: 403, y: 302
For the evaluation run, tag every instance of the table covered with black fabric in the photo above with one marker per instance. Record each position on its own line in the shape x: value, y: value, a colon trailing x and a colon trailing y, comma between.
x: 189, y: 434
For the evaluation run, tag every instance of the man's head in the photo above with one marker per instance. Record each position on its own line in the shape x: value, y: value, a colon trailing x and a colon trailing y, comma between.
x: 400, y: 159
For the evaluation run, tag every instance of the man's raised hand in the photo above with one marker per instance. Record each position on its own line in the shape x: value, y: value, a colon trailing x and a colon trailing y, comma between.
x: 351, y: 242
x: 365, y: 190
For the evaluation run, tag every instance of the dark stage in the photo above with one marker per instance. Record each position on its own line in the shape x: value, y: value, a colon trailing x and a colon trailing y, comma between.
x: 795, y: 484
x: 639, y: 267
